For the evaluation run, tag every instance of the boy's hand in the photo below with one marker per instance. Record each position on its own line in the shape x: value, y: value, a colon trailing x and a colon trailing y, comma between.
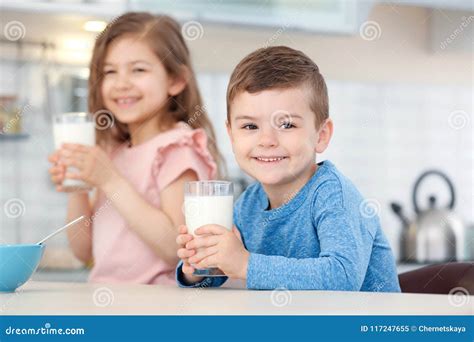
x: 92, y: 163
x: 184, y: 254
x: 218, y: 247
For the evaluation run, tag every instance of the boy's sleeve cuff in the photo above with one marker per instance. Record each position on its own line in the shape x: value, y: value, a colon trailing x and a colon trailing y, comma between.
x: 255, y: 272
x: 206, y: 282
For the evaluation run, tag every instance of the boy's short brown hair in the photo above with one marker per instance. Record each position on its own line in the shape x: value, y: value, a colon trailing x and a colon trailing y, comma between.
x: 279, y: 67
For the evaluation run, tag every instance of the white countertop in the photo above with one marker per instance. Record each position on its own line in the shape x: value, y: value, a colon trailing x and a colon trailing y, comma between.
x: 60, y: 298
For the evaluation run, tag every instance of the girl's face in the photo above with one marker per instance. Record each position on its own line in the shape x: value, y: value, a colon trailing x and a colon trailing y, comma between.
x: 136, y: 85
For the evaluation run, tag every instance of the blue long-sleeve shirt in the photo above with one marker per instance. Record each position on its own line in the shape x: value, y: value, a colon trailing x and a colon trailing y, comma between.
x: 327, y: 237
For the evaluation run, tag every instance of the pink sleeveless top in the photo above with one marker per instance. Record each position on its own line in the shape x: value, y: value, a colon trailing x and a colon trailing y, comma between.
x: 120, y: 255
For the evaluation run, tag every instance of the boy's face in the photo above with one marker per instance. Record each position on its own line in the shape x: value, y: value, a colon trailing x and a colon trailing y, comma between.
x: 274, y: 135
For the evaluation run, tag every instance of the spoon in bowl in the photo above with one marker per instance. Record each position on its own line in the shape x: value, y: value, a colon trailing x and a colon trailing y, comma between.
x: 60, y: 229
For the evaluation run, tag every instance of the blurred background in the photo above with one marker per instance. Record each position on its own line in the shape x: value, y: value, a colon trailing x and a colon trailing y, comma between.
x: 400, y: 77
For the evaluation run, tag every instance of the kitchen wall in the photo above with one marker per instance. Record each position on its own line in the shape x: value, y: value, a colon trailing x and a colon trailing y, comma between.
x: 385, y: 135
x: 399, y: 108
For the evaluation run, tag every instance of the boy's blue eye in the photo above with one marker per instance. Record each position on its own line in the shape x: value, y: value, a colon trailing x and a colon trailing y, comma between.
x: 249, y: 126
x: 287, y: 125
x: 138, y: 70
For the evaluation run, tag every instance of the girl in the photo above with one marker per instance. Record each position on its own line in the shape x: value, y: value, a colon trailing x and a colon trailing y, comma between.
x: 141, y: 75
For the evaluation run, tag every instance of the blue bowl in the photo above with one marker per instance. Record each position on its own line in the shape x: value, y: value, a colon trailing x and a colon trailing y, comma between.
x: 17, y: 264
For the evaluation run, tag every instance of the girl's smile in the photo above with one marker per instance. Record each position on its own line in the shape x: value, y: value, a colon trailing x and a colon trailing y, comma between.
x: 126, y: 102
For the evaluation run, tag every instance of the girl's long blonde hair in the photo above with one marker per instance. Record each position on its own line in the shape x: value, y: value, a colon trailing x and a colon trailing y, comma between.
x: 163, y: 35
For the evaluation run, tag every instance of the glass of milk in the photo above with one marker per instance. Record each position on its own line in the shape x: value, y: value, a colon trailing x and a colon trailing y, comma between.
x: 76, y: 128
x: 208, y: 202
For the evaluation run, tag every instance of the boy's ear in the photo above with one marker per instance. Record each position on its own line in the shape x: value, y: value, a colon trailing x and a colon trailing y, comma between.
x: 177, y: 83
x: 229, y: 131
x: 325, y: 134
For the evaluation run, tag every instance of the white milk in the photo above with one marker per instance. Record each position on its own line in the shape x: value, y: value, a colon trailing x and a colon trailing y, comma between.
x: 202, y: 210
x: 77, y: 133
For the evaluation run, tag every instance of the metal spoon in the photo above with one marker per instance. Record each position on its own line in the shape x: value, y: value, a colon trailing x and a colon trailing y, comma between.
x: 61, y: 229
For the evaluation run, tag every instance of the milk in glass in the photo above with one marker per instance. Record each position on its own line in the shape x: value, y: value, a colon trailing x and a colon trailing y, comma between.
x: 77, y: 128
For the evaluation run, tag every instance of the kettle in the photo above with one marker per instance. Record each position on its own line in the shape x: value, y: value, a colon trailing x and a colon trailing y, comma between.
x: 436, y: 234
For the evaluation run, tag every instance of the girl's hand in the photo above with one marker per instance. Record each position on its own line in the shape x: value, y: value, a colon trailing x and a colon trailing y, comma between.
x: 220, y: 248
x: 92, y: 163
x: 57, y: 171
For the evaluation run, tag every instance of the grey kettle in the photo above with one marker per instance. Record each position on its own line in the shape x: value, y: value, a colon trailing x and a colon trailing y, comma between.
x: 436, y: 234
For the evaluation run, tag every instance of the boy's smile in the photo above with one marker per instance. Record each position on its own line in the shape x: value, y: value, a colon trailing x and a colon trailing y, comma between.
x: 274, y: 137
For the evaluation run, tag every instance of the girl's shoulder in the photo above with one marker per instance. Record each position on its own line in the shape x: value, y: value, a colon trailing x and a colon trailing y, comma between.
x: 181, y: 134
x: 183, y: 148
x: 184, y: 138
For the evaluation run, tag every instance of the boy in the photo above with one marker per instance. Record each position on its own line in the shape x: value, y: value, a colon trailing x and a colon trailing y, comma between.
x: 302, y: 226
